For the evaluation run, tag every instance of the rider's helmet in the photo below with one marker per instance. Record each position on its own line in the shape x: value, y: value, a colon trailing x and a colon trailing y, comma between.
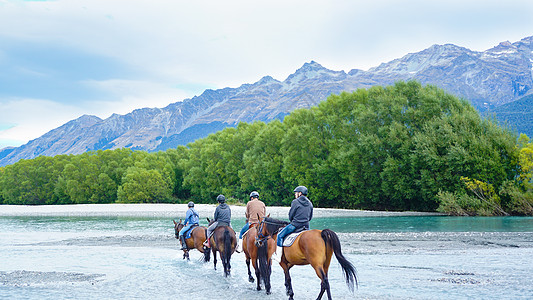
x: 221, y: 199
x: 254, y: 194
x: 191, y: 204
x: 301, y: 189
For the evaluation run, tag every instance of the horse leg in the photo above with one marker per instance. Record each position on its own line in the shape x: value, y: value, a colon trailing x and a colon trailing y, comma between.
x: 266, y: 278
x: 214, y: 257
x: 225, y: 263
x: 324, y: 285
x: 271, y: 248
x: 250, y: 277
x: 257, y: 274
x: 186, y: 254
x: 288, y: 285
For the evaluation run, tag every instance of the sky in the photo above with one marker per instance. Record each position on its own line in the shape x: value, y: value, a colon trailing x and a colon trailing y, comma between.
x: 62, y: 59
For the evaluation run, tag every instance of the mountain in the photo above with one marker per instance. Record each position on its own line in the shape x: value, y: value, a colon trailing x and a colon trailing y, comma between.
x: 488, y: 79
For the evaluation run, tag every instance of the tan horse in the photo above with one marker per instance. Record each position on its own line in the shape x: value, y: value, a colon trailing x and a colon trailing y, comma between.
x: 224, y: 241
x: 314, y: 247
x: 198, y: 236
x: 259, y: 249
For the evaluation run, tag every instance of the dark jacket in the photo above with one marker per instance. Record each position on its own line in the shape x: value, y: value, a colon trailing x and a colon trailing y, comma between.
x: 223, y: 215
x: 301, y: 212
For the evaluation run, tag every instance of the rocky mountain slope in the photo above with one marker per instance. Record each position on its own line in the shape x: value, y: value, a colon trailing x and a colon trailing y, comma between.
x: 488, y: 79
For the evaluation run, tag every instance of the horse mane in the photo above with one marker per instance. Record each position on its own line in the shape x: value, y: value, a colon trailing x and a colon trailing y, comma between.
x: 273, y: 225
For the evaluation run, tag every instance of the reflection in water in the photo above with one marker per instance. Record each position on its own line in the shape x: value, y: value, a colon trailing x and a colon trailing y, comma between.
x: 396, y: 258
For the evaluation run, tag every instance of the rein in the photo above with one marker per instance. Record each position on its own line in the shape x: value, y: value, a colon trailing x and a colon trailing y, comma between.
x: 260, y: 237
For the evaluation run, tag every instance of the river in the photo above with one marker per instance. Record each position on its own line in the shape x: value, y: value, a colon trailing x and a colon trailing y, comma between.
x: 397, y: 257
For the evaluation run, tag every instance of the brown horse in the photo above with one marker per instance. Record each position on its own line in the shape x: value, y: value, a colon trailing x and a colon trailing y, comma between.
x: 198, y: 236
x: 259, y: 249
x: 224, y: 241
x: 314, y: 247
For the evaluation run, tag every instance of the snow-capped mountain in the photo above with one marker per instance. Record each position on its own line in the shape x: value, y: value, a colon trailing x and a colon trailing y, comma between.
x: 488, y: 79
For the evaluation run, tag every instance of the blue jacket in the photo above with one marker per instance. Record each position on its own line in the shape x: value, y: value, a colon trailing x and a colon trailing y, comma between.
x: 301, y: 212
x: 223, y: 215
x: 191, y: 217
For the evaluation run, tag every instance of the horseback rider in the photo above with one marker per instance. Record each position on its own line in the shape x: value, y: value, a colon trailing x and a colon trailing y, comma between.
x: 222, y: 217
x: 255, y: 209
x: 191, y: 219
x: 300, y: 214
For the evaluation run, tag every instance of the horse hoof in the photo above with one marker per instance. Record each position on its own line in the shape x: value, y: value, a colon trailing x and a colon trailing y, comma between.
x: 269, y: 292
x: 258, y: 288
x: 251, y: 279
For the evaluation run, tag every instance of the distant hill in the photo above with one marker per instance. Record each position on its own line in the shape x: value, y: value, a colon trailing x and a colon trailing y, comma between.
x: 487, y: 79
x: 518, y: 115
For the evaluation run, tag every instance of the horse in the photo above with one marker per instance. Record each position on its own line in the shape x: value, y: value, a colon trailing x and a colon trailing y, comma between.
x: 224, y: 241
x: 259, y: 249
x: 314, y: 247
x: 198, y: 236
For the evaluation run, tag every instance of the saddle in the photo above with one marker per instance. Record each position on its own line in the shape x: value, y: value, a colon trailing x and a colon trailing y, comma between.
x: 188, y: 233
x: 289, y: 240
x: 251, y: 226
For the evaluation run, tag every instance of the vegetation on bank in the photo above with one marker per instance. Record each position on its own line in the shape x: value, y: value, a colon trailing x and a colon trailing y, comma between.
x: 402, y: 147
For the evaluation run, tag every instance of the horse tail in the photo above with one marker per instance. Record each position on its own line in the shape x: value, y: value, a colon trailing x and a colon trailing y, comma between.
x: 226, y: 254
x: 263, y: 259
x: 332, y: 240
x: 207, y: 251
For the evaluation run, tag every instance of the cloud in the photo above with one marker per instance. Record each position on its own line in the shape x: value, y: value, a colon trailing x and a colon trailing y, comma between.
x: 26, y: 119
x: 127, y: 95
x: 103, y: 56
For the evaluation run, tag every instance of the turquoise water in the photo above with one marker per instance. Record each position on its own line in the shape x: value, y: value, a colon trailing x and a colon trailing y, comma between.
x: 423, y: 223
x: 340, y: 224
x: 396, y: 258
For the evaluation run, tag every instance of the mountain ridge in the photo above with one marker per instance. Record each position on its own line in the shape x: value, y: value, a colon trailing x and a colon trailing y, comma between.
x: 487, y: 79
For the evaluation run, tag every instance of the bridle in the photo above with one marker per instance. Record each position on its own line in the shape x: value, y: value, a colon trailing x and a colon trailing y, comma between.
x: 260, y: 239
x: 177, y: 229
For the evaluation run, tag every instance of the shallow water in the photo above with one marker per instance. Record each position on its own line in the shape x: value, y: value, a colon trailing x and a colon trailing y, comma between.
x: 396, y: 258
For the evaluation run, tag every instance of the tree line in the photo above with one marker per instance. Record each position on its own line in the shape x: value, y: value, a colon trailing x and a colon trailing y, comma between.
x: 401, y: 147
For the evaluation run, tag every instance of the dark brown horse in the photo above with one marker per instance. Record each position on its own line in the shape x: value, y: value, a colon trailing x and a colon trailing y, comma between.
x: 198, y: 236
x: 224, y: 241
x: 314, y: 247
x: 259, y: 249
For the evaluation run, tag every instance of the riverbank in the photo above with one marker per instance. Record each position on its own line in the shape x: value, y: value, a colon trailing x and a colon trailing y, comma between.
x: 176, y: 210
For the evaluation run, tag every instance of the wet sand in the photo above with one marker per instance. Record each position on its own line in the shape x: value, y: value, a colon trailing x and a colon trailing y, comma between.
x: 171, y: 210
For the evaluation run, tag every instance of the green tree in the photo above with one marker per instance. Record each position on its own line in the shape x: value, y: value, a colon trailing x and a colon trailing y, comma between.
x: 143, y: 186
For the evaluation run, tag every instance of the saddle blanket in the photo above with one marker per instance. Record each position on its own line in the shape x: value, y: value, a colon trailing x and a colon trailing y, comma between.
x: 289, y: 240
x: 188, y: 233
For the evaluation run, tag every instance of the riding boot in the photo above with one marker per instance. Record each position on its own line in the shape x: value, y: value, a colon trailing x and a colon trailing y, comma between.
x: 183, y: 243
x: 239, y: 245
x: 277, y: 254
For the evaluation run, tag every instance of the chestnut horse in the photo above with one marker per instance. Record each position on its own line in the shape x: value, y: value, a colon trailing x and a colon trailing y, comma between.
x: 259, y: 249
x: 224, y: 241
x: 198, y: 236
x: 314, y: 247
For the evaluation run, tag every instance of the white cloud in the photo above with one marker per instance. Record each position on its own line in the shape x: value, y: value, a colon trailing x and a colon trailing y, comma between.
x: 27, y: 119
x: 127, y: 95
x: 177, y: 48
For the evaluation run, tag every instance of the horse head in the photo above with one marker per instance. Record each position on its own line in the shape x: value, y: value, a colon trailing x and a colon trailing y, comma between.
x: 270, y: 226
x: 177, y: 227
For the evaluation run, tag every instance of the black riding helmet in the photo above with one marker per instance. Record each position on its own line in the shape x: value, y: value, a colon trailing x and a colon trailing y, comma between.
x: 301, y: 189
x: 221, y: 199
x: 191, y: 204
x: 254, y: 194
